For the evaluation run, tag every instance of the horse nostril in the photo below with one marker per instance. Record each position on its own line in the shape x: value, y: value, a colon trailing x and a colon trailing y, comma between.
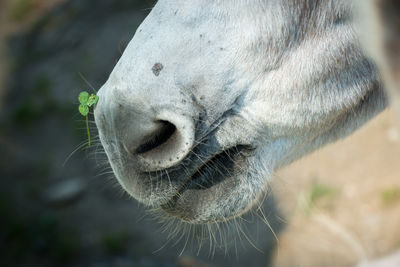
x: 159, y: 137
x: 148, y: 136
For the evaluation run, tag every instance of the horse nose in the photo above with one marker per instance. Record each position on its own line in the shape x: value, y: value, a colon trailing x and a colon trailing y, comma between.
x: 153, y: 138
x: 161, y: 141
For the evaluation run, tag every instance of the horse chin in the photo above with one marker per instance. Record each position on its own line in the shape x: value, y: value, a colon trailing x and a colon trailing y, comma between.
x: 221, y: 202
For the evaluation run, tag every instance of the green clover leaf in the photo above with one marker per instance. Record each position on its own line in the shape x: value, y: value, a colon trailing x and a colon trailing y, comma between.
x: 93, y: 99
x: 83, y: 97
x: 86, y: 102
x: 84, y: 110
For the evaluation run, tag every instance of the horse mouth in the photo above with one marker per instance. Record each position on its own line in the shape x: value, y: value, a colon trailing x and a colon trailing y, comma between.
x: 215, y: 170
x: 211, y: 172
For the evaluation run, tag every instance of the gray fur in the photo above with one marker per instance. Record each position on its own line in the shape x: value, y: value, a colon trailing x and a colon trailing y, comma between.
x: 280, y: 78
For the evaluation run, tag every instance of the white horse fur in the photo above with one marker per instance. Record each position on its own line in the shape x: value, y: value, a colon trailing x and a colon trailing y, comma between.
x: 210, y: 98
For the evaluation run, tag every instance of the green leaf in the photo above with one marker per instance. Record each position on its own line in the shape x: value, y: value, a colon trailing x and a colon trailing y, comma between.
x: 84, y: 110
x: 83, y: 97
x: 86, y: 102
x: 92, y: 100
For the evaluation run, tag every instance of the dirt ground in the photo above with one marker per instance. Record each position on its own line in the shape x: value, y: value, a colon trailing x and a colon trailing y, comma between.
x: 342, y: 203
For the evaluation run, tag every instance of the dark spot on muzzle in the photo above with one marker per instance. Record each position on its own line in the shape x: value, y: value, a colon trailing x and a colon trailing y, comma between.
x: 157, y: 68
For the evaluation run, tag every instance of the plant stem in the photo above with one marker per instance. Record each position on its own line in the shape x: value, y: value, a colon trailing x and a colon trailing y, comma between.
x: 87, y: 128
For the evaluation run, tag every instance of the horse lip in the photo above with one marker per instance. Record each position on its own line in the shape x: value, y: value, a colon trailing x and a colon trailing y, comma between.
x: 222, y: 162
x: 188, y: 184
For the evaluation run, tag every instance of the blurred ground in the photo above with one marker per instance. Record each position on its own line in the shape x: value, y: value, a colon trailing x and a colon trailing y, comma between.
x: 338, y: 205
x: 342, y: 203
